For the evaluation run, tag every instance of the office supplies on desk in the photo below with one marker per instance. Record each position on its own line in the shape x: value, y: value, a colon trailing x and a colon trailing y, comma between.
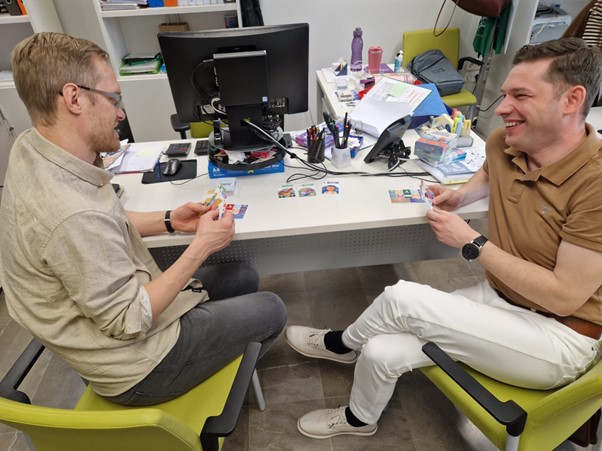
x: 387, y: 101
x: 179, y: 149
x: 171, y: 168
x: 390, y: 144
x: 315, y: 144
x: 138, y: 157
x: 187, y: 171
x: 458, y: 171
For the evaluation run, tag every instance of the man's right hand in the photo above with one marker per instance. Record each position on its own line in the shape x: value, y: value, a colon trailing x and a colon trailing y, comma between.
x: 215, y: 234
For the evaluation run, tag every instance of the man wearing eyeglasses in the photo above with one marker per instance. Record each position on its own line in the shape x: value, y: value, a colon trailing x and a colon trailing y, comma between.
x: 74, y: 269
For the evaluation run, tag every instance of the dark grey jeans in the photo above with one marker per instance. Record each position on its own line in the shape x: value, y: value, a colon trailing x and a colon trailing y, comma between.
x: 212, y: 334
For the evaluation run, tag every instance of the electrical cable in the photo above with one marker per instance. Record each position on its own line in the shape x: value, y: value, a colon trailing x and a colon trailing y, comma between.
x: 492, y: 103
x: 322, y: 169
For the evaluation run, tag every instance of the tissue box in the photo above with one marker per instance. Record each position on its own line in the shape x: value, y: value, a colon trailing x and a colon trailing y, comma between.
x: 435, y: 149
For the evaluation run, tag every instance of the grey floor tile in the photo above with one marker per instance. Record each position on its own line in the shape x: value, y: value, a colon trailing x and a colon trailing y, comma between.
x: 291, y: 383
x: 276, y: 428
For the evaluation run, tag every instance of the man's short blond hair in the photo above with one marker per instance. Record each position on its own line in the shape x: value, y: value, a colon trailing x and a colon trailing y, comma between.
x: 44, y: 63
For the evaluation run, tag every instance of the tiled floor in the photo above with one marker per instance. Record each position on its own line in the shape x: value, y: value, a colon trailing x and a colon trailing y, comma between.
x: 417, y: 418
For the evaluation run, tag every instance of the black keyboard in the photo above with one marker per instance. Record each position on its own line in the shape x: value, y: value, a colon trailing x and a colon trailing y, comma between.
x: 178, y: 149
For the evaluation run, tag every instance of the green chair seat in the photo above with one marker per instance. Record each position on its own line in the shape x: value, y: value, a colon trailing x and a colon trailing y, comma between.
x: 96, y: 424
x: 552, y: 415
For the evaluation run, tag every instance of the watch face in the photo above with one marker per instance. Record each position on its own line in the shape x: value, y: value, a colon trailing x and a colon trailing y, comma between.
x: 470, y: 251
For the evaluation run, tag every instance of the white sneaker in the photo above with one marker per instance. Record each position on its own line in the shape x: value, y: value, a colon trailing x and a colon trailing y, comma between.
x: 310, y: 342
x: 326, y: 423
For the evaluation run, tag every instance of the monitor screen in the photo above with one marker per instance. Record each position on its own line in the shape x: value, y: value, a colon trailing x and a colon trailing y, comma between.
x: 238, y: 74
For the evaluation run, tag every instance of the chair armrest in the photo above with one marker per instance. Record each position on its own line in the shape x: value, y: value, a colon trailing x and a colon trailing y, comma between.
x: 224, y: 424
x: 507, y: 413
x: 18, y: 372
x: 470, y: 59
x: 179, y: 126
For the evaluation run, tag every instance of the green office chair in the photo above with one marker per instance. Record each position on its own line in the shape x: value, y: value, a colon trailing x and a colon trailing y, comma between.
x: 197, y: 420
x: 515, y: 418
x: 197, y: 129
x: 448, y: 41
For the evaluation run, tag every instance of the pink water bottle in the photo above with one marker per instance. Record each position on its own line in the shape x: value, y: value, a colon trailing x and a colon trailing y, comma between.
x: 375, y: 55
x: 357, y: 46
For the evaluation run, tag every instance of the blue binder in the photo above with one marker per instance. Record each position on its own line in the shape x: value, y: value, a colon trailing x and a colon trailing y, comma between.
x: 432, y: 105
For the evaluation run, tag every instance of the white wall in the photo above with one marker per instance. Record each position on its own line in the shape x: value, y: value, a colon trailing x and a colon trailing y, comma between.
x: 331, y: 25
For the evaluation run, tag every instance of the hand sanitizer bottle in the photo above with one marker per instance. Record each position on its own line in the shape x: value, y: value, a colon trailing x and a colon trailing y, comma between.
x: 397, y: 66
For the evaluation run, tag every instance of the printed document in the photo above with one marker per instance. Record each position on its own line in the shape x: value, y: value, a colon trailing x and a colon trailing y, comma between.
x: 386, y: 102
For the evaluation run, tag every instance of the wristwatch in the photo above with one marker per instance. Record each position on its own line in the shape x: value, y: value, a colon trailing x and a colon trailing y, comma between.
x: 167, y: 222
x: 472, y: 250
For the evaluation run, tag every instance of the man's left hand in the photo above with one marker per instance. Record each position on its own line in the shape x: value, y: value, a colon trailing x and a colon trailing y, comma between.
x: 185, y: 218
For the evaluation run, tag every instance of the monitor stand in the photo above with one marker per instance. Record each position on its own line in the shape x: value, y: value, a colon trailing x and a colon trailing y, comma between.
x: 220, y: 139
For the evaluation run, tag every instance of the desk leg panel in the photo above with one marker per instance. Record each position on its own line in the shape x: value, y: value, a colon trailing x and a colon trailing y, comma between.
x: 325, y: 250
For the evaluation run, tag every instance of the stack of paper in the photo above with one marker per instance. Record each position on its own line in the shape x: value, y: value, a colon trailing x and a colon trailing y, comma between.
x: 137, y: 157
x: 120, y: 5
x: 387, y: 101
x: 140, y: 64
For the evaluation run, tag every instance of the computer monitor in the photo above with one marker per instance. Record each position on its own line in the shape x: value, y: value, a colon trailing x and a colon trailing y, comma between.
x: 239, y: 74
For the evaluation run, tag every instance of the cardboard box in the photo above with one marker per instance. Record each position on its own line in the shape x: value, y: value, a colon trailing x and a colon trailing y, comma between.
x: 217, y: 172
x: 165, y: 27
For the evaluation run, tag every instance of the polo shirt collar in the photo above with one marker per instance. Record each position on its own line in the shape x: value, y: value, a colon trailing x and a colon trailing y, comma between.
x: 563, y: 169
x: 91, y: 173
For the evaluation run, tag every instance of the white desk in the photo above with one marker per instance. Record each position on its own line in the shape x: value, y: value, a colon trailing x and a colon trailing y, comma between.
x: 358, y: 227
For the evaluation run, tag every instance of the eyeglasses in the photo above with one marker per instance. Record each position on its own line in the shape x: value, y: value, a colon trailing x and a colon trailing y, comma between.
x: 115, y: 99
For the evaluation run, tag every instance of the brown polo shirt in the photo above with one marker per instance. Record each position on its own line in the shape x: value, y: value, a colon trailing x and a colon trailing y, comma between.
x: 530, y: 213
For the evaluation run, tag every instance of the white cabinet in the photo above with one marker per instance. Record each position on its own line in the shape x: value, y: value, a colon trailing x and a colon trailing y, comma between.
x: 147, y: 98
x: 13, y: 116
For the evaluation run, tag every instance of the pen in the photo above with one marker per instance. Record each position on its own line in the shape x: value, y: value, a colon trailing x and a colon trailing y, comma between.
x: 158, y: 170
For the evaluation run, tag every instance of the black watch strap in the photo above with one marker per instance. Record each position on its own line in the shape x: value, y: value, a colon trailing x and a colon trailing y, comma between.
x: 480, y: 241
x: 167, y: 221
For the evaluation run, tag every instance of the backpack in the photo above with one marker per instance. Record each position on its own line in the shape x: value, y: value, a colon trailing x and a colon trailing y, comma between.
x: 433, y: 67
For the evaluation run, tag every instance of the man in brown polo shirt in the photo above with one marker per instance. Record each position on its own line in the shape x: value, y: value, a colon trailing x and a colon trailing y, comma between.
x: 536, y: 321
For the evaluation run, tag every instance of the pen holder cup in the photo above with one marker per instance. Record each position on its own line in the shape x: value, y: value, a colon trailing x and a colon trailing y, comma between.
x: 341, y: 158
x: 315, y: 151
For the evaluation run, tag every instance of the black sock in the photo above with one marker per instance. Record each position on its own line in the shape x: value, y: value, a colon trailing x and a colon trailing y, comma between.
x: 352, y: 419
x: 334, y: 342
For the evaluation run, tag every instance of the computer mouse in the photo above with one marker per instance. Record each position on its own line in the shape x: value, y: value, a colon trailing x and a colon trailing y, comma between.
x: 172, y: 166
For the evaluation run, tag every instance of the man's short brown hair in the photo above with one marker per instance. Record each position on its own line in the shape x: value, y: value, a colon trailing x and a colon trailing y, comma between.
x: 44, y: 63
x: 574, y: 63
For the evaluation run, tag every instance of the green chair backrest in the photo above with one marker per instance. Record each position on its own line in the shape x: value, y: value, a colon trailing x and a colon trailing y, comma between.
x: 200, y: 129
x: 416, y: 42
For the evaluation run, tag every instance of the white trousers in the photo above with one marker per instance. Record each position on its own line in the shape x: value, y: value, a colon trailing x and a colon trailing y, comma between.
x: 474, y: 326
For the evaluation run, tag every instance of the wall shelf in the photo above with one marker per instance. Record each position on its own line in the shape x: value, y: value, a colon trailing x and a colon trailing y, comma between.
x: 8, y: 19
x: 168, y: 10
